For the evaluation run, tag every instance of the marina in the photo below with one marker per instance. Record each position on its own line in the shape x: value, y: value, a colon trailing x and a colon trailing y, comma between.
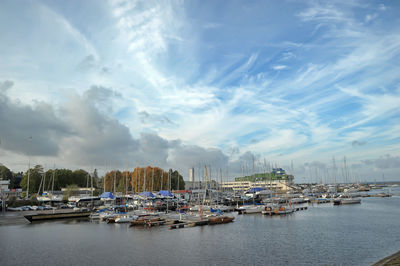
x: 323, y: 234
x: 148, y: 132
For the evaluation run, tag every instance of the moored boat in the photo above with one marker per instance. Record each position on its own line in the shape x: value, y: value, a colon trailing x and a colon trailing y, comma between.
x: 247, y: 209
x: 347, y: 201
x: 125, y: 218
x: 220, y: 219
x: 277, y: 210
x: 143, y: 221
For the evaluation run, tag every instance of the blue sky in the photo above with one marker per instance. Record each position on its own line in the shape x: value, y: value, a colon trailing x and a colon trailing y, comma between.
x: 183, y: 83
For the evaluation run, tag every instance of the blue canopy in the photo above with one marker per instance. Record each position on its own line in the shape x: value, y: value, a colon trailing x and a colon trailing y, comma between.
x: 147, y: 194
x: 165, y: 193
x: 255, y: 189
x: 107, y: 195
x: 216, y: 210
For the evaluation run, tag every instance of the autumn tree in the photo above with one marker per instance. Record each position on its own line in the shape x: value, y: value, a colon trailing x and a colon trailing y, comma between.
x: 155, y: 179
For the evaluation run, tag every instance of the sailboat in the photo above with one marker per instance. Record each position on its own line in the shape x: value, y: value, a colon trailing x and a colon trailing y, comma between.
x: 346, y: 198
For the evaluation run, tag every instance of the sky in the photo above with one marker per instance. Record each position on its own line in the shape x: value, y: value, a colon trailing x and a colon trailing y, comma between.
x: 239, y: 86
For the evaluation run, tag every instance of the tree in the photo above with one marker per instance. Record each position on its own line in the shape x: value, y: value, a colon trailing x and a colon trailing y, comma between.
x: 112, y: 177
x: 96, y: 179
x: 81, y: 178
x: 156, y: 179
x: 6, y: 173
x: 17, y: 179
x: 35, y: 176
x: 174, y: 181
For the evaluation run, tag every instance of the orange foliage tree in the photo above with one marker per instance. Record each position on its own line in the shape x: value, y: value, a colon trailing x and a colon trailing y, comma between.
x: 149, y: 179
x: 141, y: 179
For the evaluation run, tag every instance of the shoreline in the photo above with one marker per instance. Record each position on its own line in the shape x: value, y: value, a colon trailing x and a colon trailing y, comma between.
x: 393, y: 259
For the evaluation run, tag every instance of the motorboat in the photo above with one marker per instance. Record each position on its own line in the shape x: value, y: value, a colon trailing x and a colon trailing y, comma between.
x: 342, y: 201
x: 247, y: 209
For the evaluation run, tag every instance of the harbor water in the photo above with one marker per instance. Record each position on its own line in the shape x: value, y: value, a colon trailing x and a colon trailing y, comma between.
x: 359, y: 234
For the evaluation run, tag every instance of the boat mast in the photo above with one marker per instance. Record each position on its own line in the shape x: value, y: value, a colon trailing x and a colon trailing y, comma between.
x: 29, y: 169
x: 345, y: 169
x: 114, y: 181
x: 126, y: 188
x: 162, y: 179
x: 52, y: 182
x: 152, y: 180
x: 334, y: 172
x: 40, y: 185
x: 29, y: 173
x: 44, y: 181
x: 104, y: 181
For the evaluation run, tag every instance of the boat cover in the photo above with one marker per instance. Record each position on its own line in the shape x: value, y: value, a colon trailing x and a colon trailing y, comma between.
x: 165, y: 193
x: 147, y: 194
x: 107, y: 195
x: 255, y: 189
x: 216, y: 210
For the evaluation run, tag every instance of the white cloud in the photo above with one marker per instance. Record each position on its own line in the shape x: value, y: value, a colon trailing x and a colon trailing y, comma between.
x: 370, y: 17
x: 279, y: 67
x: 180, y: 91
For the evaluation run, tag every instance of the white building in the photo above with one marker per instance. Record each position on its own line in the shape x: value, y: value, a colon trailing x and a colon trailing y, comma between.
x: 191, y: 174
x: 4, y: 185
x: 275, y: 185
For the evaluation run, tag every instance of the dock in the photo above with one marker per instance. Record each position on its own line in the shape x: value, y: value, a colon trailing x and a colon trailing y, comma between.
x: 56, y: 215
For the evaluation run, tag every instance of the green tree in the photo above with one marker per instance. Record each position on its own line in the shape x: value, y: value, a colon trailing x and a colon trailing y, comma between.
x: 174, y: 181
x: 35, y: 176
x: 81, y: 178
x: 17, y: 179
x: 6, y: 173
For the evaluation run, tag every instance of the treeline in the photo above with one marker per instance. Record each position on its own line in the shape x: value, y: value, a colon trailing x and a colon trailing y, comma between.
x: 143, y: 179
x: 140, y: 179
x: 7, y: 174
x: 43, y: 180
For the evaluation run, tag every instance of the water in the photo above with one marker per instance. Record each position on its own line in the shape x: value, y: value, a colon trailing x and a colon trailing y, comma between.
x: 322, y: 235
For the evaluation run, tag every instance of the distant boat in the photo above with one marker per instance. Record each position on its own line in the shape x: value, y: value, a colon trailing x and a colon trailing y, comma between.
x: 278, y: 210
x: 247, y: 209
x: 220, y: 220
x: 125, y: 218
x: 343, y: 201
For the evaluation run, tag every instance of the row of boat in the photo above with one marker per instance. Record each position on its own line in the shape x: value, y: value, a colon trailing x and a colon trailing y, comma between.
x: 143, y: 218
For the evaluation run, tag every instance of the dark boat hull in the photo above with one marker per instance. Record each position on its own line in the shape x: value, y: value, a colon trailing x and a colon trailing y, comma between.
x: 220, y: 220
x: 54, y: 216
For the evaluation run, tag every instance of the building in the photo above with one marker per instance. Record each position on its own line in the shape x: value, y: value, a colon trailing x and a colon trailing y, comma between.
x: 3, y: 190
x: 277, y: 180
x: 276, y: 185
x: 191, y: 174
x: 4, y: 185
x: 201, y: 185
